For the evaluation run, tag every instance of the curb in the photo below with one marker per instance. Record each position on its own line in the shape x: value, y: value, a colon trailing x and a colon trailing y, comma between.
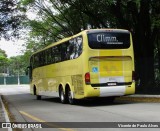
x: 141, y: 98
x: 144, y: 96
x: 5, y: 113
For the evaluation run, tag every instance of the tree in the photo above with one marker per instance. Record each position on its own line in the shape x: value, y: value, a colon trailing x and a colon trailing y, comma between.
x: 10, y: 18
x: 3, y: 61
x: 17, y: 65
x: 3, y: 57
x: 61, y: 18
x: 14, y: 65
x: 140, y: 16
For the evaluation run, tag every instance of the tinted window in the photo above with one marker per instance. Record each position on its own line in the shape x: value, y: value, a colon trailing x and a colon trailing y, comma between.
x: 49, y: 58
x: 75, y: 47
x: 62, y: 52
x: 41, y: 58
x: 56, y: 53
x: 36, y: 61
x: 109, y: 40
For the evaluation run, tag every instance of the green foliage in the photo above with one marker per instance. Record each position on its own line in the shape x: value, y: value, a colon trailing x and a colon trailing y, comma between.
x: 14, y: 65
x: 10, y: 19
x: 62, y: 18
x: 17, y: 65
x: 27, y: 2
x: 3, y: 58
x: 3, y: 62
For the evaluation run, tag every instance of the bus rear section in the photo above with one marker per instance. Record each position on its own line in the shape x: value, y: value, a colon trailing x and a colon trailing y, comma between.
x: 110, y: 64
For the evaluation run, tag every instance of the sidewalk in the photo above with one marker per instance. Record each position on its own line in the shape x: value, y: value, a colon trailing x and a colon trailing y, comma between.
x: 3, y: 115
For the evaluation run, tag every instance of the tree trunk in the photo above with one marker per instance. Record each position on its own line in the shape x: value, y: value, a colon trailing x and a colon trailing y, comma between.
x: 145, y: 48
x: 142, y: 36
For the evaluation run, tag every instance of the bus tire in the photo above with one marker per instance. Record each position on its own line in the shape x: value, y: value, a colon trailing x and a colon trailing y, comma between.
x: 71, y: 100
x: 62, y: 95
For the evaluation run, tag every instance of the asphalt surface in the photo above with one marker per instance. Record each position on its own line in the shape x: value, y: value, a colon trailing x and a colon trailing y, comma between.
x: 137, y: 98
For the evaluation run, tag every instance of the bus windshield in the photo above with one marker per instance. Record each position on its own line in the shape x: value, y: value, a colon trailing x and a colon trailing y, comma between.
x: 109, y: 40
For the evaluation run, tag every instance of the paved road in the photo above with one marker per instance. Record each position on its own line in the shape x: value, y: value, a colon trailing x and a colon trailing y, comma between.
x: 25, y: 107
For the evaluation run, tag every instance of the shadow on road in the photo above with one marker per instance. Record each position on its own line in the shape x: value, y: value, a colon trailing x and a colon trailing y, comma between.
x: 27, y: 98
x: 90, y: 102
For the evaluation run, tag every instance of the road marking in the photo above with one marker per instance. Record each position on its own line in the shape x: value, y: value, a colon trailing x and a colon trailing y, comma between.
x: 32, y: 117
x: 40, y: 120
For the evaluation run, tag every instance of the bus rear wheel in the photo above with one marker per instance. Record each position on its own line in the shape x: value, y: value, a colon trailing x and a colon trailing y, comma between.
x: 62, y: 96
x: 71, y: 100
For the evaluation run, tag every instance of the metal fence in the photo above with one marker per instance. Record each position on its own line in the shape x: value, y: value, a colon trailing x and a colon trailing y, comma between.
x: 9, y: 80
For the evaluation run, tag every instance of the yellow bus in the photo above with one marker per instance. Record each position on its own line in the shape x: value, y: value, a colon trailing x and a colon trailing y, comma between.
x: 93, y: 63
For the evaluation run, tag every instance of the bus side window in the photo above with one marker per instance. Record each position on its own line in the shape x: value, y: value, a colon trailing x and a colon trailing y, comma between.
x: 57, y: 53
x: 41, y: 59
x: 75, y: 47
x: 70, y: 48
x: 53, y: 54
x: 79, y: 45
x: 63, y: 52
x: 36, y: 61
x: 48, y: 56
